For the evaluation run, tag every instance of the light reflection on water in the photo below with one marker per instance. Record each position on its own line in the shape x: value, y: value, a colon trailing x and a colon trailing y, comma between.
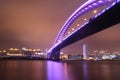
x: 55, y: 71
x: 85, y: 71
x: 49, y: 70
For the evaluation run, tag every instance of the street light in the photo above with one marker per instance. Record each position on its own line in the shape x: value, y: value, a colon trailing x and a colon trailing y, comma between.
x: 78, y: 25
x: 85, y: 19
x: 94, y: 11
x: 73, y: 29
x: 69, y: 32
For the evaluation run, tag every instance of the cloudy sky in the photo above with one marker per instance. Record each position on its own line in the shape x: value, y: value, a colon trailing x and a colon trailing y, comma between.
x: 36, y: 23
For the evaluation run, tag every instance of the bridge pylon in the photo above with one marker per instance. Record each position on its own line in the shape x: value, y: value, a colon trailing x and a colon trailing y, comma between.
x: 54, y: 54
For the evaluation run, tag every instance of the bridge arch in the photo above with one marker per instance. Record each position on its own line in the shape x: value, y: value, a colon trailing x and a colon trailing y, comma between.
x: 87, y: 6
x: 110, y: 13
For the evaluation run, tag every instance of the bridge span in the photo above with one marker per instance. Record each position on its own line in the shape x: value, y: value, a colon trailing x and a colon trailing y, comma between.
x: 108, y: 17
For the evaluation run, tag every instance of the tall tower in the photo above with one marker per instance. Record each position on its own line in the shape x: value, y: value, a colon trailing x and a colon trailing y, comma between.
x: 85, y: 51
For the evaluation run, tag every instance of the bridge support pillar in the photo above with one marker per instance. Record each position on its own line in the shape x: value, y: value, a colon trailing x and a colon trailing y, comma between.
x: 55, y: 55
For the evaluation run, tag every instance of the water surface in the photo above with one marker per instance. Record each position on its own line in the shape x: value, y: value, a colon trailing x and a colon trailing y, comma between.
x: 49, y: 70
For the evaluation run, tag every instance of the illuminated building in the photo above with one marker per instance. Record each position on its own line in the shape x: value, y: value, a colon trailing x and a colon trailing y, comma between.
x: 85, y: 51
x: 63, y: 56
x: 30, y: 52
x: 75, y: 57
x: 14, y: 52
x: 3, y: 53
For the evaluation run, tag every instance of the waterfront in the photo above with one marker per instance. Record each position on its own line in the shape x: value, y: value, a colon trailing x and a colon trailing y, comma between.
x: 68, y: 70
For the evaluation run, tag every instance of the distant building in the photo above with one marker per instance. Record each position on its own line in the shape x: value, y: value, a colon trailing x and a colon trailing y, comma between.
x: 75, y: 57
x: 85, y: 51
x: 31, y: 52
x: 3, y: 53
x: 63, y: 56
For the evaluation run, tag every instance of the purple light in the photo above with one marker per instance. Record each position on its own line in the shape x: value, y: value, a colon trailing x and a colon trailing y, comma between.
x: 109, y: 0
x: 103, y: 11
x: 69, y: 23
x: 79, y: 9
x: 94, y: 4
x: 86, y: 8
x: 90, y: 6
x: 96, y: 16
x: 72, y: 18
x: 85, y: 71
x: 107, y: 8
x: 113, y: 3
x: 118, y: 0
x: 82, y: 10
x: 100, y: 1
x: 79, y: 12
x: 75, y: 16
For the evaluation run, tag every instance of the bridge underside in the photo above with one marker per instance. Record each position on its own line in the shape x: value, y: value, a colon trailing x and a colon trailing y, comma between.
x: 107, y: 19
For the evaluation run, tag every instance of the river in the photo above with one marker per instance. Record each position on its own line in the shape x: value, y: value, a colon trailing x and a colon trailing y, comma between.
x: 50, y: 70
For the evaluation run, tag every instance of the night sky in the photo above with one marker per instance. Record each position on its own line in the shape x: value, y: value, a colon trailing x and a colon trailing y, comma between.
x: 36, y: 23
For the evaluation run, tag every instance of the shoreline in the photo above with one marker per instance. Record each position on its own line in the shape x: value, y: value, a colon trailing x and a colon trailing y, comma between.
x: 39, y: 58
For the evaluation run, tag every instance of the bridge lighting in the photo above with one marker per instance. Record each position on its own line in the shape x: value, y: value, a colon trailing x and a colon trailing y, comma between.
x: 71, y: 19
x: 78, y: 25
x: 69, y: 32
x: 94, y: 11
x: 118, y: 0
x: 79, y: 12
x: 83, y: 10
x: 109, y: 0
x: 94, y: 4
x: 65, y: 35
x: 61, y: 53
x: 100, y: 1
x: 103, y: 11
x: 73, y: 29
x: 60, y: 40
x: 113, y: 3
x: 75, y: 16
x: 86, y: 8
x: 89, y: 6
x: 85, y: 19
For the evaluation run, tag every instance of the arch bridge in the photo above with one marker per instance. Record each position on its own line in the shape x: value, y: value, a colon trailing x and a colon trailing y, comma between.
x: 105, y: 18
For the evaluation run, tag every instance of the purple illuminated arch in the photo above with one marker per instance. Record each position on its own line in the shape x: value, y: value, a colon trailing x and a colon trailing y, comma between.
x: 87, y: 6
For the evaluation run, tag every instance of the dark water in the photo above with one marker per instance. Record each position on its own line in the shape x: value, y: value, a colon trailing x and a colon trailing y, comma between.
x: 49, y: 70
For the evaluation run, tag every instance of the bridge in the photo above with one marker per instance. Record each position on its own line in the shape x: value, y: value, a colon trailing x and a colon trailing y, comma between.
x: 106, y: 18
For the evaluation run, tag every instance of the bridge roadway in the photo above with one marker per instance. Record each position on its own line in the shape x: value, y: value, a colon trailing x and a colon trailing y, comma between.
x: 107, y: 19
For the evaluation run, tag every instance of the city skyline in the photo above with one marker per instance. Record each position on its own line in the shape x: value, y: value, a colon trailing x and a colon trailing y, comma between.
x: 35, y: 24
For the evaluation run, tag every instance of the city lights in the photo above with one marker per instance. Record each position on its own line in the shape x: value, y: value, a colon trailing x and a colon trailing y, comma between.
x: 83, y: 50
x: 26, y: 53
x: 4, y: 51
